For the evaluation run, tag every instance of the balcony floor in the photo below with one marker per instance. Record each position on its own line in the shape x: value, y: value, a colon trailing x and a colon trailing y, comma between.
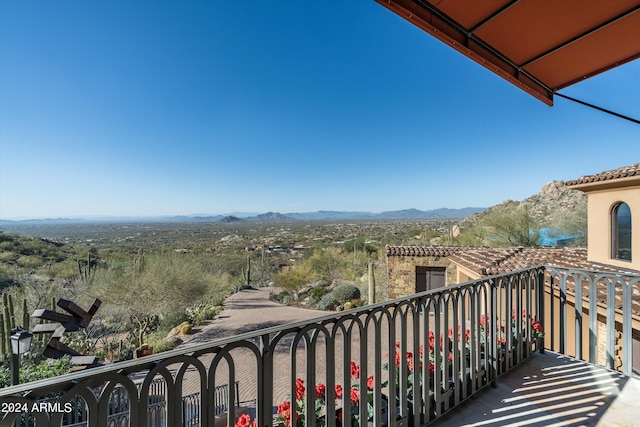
x: 553, y: 390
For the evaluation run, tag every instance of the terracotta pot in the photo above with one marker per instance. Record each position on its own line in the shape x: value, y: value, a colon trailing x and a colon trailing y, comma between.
x: 144, y: 352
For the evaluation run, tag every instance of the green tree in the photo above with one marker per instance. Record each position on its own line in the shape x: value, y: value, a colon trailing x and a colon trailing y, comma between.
x: 329, y: 264
x: 292, y: 280
x: 571, y: 222
x: 472, y: 235
x: 512, y: 227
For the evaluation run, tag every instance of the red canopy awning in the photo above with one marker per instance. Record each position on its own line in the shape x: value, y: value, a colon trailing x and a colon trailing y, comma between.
x: 540, y: 46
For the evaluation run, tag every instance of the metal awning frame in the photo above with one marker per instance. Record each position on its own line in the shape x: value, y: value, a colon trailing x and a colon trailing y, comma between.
x: 444, y: 28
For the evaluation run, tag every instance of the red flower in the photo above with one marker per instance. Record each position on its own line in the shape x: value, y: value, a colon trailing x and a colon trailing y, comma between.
x: 284, y: 410
x: 432, y: 368
x: 355, y: 396
x: 370, y: 382
x: 537, y: 327
x: 284, y: 407
x: 355, y: 370
x: 300, y: 390
x: 321, y: 389
x: 245, y: 421
x: 338, y: 391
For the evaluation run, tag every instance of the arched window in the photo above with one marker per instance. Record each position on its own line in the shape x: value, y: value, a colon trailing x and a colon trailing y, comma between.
x: 621, y: 232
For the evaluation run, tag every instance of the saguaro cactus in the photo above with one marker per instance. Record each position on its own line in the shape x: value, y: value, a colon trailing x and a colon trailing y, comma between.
x: 87, y: 269
x: 25, y: 314
x: 12, y: 312
x: 6, y: 324
x: 3, y: 337
x: 246, y: 273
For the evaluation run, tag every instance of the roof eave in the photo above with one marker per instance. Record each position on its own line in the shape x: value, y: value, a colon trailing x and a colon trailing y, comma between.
x: 631, y: 181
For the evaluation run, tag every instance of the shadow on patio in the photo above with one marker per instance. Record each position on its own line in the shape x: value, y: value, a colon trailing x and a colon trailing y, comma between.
x: 553, y: 390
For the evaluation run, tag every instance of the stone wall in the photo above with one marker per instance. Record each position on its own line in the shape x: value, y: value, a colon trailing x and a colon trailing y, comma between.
x: 401, y: 272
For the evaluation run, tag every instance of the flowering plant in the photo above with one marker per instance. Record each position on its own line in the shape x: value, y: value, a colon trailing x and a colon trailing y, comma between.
x: 536, y: 328
x: 285, y: 411
x: 245, y: 421
x: 441, y: 343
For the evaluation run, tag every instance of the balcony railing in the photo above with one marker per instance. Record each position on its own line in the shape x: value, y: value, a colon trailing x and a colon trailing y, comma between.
x: 402, y: 362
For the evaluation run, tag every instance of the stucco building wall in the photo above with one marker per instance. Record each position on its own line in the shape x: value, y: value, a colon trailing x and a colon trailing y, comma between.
x: 599, y: 210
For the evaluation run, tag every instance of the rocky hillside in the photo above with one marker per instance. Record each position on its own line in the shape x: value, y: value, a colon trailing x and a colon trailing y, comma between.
x: 553, y: 201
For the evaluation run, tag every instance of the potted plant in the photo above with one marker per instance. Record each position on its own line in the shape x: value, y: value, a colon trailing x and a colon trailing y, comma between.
x: 144, y: 350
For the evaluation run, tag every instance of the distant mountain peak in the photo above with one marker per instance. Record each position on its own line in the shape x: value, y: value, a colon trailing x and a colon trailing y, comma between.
x: 271, y: 216
x: 231, y: 218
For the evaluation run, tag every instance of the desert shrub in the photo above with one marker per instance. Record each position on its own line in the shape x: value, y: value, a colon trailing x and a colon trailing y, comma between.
x: 30, y: 261
x: 292, y: 280
x: 329, y: 264
x: 160, y: 343
x: 282, y: 296
x: 327, y: 302
x: 324, y: 282
x: 170, y: 320
x: 344, y: 293
x: 38, y: 371
x: 199, y: 313
x: 318, y: 292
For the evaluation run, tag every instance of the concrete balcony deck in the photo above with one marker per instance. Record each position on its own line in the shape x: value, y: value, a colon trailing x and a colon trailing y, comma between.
x: 552, y: 390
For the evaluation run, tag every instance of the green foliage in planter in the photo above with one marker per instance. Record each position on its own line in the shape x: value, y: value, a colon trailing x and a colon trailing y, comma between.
x: 346, y: 293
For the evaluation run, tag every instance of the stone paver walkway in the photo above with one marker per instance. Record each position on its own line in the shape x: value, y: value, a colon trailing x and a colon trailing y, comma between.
x: 247, y: 311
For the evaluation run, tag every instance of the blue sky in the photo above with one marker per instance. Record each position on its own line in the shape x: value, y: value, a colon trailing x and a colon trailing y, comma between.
x: 142, y: 107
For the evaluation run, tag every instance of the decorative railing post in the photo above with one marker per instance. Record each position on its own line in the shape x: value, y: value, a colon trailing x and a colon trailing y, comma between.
x: 264, y: 401
x: 493, y: 341
x: 540, y: 306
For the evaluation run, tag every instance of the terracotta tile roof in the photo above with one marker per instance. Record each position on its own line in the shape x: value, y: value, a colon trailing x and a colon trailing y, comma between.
x: 417, y: 250
x: 622, y: 172
x: 489, y: 261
